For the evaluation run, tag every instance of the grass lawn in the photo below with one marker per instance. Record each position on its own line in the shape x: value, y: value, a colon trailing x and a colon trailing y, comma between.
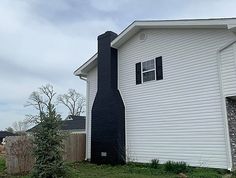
x: 87, y: 170
x: 2, y: 166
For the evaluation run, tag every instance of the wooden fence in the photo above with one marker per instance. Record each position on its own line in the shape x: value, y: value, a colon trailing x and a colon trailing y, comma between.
x: 19, y: 157
x: 18, y: 154
x: 74, y: 147
x: 1, y: 149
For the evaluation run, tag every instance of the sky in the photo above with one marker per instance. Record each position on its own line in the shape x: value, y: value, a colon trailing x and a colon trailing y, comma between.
x: 45, y: 41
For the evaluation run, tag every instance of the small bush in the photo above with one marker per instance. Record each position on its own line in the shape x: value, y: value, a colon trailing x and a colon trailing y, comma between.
x: 175, y: 167
x: 154, y: 163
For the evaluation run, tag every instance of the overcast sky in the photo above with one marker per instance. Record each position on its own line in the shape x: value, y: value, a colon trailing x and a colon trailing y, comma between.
x: 44, y: 41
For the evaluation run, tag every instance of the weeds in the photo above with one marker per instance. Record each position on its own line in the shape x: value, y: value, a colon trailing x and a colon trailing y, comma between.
x: 154, y: 163
x: 175, y: 167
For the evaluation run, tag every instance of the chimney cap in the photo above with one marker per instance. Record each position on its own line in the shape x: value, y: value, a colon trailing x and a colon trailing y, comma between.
x: 112, y: 34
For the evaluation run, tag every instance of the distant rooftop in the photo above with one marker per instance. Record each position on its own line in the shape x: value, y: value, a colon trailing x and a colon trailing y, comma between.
x: 71, y: 123
x: 4, y: 134
x: 74, y: 122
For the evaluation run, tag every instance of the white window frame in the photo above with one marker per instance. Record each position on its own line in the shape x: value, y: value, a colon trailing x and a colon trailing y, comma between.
x: 154, y: 69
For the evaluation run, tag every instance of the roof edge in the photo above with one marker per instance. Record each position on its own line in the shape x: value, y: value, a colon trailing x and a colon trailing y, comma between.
x: 182, y: 23
x: 80, y: 71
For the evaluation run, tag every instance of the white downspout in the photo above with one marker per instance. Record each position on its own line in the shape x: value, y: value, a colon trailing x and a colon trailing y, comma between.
x: 223, y: 106
x: 87, y: 114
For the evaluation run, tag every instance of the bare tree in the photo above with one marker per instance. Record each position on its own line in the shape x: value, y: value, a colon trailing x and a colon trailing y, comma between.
x: 10, y: 129
x: 20, y: 126
x: 40, y: 100
x: 74, y: 101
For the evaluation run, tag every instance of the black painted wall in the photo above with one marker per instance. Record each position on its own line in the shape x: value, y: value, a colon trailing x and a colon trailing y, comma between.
x: 108, y: 111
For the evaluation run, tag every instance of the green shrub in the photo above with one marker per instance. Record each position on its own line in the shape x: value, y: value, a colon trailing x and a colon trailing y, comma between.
x: 175, y: 167
x: 48, y: 138
x: 154, y: 163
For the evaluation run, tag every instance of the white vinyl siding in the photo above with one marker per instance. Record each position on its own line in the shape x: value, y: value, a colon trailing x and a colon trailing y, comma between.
x: 178, y: 118
x: 92, y: 90
x: 228, y: 70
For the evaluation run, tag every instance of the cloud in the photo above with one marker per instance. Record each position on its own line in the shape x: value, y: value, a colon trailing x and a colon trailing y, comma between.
x: 109, y: 6
x: 35, y: 51
x: 45, y: 41
x: 208, y: 9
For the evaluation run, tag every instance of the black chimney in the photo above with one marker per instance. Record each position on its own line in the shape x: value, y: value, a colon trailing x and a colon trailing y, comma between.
x: 108, y: 112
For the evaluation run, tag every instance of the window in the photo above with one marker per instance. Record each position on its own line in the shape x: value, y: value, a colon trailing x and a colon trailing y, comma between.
x: 149, y: 70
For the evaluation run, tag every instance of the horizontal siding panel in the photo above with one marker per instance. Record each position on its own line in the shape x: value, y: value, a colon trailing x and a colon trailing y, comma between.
x: 200, y: 141
x: 168, y: 157
x: 162, y: 120
x: 194, y: 80
x: 187, y: 152
x: 175, y: 133
x: 178, y: 118
x: 169, y: 88
x: 173, y: 96
x: 186, y: 102
x: 179, y: 126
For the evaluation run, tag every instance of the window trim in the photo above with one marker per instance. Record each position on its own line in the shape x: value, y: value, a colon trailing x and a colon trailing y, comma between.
x: 158, y: 70
x: 142, y: 72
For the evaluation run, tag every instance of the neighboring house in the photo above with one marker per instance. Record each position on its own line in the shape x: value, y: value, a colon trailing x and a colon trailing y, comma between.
x: 72, y: 124
x: 163, y: 90
x: 4, y: 134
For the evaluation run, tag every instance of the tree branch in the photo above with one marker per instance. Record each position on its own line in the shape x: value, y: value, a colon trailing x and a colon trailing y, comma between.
x: 73, y: 100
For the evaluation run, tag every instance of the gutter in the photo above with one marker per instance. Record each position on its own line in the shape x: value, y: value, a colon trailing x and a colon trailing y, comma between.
x: 87, y: 113
x: 83, y: 78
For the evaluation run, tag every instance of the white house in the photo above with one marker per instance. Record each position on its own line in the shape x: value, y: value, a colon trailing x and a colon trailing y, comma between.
x: 177, y: 81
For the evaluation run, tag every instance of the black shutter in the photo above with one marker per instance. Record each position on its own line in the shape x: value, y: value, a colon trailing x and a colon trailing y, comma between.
x: 159, y: 70
x: 138, y: 73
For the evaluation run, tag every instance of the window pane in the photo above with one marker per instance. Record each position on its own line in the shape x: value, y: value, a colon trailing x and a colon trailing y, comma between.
x: 148, y: 65
x: 148, y: 76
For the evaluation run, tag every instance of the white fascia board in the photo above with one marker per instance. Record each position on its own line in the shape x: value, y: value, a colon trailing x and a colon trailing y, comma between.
x: 201, y: 23
x: 82, y: 70
x: 232, y: 27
